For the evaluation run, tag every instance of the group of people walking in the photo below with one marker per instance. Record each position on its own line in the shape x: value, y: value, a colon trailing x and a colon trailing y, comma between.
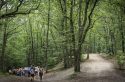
x: 31, y: 71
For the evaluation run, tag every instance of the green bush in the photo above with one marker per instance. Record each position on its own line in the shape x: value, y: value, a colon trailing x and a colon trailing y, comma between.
x: 121, y: 60
x: 52, y: 62
x: 3, y: 73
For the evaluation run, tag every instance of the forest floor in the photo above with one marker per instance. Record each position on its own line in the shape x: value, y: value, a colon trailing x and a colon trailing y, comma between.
x: 96, y: 69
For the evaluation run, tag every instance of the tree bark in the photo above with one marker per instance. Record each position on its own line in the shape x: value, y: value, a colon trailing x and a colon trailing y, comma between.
x: 47, y: 37
x: 73, y: 44
x: 121, y: 29
x: 4, y: 47
x: 32, y: 44
x: 63, y: 5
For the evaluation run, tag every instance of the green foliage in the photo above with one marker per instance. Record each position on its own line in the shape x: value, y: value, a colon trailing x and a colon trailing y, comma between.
x: 120, y: 59
x: 52, y: 61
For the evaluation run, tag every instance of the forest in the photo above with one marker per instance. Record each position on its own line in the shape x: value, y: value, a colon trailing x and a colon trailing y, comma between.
x: 47, y: 33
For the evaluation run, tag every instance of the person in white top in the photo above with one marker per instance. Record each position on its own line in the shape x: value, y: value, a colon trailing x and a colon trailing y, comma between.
x: 37, y: 71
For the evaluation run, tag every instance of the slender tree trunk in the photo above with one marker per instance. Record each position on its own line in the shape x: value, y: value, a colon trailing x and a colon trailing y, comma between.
x: 47, y: 36
x: 37, y: 50
x: 121, y: 29
x: 66, y: 55
x: 32, y: 44
x: 28, y: 53
x: 72, y: 31
x: 106, y: 39
x: 112, y: 41
x: 123, y: 42
x: 4, y: 47
x: 94, y: 44
x: 63, y: 5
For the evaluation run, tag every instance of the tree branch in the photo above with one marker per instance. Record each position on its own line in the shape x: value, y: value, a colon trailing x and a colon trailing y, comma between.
x: 89, y: 19
x: 16, y: 11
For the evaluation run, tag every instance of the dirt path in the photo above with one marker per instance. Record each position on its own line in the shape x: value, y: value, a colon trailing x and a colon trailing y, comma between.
x: 97, y: 66
x: 96, y: 69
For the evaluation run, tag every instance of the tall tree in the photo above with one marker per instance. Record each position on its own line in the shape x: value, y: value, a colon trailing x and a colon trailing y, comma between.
x: 83, y: 28
x: 47, y: 37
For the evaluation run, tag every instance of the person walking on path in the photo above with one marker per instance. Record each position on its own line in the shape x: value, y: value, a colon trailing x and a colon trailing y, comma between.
x: 37, y: 70
x: 41, y: 73
x: 32, y: 73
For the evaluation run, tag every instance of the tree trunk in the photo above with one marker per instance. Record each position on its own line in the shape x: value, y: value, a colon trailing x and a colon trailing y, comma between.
x: 4, y: 47
x: 123, y: 42
x: 83, y: 29
x: 121, y: 29
x: 47, y: 36
x: 77, y: 60
x: 63, y: 5
x: 32, y: 44
x: 112, y: 41
x: 72, y: 31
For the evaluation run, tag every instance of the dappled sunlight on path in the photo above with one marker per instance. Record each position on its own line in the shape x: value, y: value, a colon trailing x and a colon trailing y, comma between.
x: 97, y: 65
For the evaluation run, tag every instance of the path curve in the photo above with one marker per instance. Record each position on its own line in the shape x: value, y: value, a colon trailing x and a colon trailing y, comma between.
x: 96, y: 69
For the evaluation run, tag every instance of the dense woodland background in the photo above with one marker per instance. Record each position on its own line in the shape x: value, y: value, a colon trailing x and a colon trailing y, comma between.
x: 48, y: 32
